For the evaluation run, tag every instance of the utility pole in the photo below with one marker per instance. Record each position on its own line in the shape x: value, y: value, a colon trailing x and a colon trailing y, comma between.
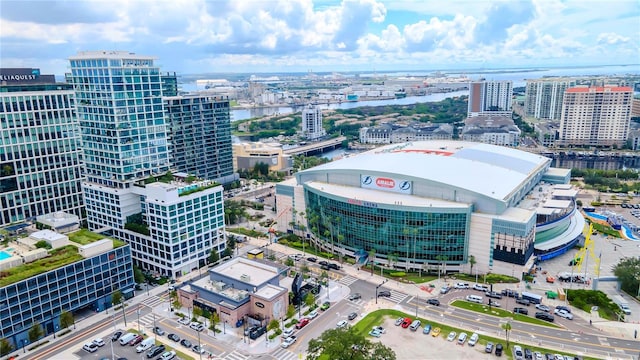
x: 378, y: 286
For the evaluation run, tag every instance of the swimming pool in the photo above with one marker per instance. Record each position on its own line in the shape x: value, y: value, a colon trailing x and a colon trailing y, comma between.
x: 4, y: 255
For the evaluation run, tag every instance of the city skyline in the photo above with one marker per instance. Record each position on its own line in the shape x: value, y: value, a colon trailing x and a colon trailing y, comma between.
x: 306, y: 35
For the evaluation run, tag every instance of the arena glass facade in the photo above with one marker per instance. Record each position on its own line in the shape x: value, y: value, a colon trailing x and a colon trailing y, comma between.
x: 424, y: 235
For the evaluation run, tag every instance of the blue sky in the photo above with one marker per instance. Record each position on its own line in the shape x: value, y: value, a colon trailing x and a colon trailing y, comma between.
x: 196, y: 36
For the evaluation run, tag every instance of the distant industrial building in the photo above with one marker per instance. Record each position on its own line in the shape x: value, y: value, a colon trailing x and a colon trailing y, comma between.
x: 247, y: 155
x: 393, y: 133
x: 490, y: 97
x: 200, y: 131
x: 543, y: 97
x: 596, y: 116
x: 40, y: 146
x: 312, y: 122
x: 490, y: 129
x: 82, y: 270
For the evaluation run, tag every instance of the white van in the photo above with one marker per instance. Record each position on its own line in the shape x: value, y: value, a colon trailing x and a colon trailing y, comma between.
x: 145, y: 344
x: 462, y: 338
x: 124, y: 339
x: 475, y: 299
x: 415, y: 325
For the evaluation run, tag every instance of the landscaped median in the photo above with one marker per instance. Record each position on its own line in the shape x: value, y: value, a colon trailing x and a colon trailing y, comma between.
x: 501, y: 313
x: 378, y: 317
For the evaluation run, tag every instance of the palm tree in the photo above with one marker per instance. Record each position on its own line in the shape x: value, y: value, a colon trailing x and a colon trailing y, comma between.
x: 472, y: 262
x: 443, y: 259
x: 507, y: 328
x: 372, y: 257
x: 393, y: 258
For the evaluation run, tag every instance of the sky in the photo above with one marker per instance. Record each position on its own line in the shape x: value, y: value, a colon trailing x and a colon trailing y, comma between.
x: 255, y: 36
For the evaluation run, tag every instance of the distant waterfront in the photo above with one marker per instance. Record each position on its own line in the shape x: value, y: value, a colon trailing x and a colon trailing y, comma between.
x: 242, y: 114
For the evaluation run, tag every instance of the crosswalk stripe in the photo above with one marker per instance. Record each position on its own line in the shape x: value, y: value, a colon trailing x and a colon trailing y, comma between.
x: 348, y: 280
x: 284, y: 354
x: 235, y: 356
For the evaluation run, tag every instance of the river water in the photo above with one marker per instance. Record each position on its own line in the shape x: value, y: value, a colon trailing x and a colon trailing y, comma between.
x: 242, y: 114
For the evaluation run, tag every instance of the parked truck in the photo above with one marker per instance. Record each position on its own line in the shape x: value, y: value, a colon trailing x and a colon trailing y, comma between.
x: 622, y: 303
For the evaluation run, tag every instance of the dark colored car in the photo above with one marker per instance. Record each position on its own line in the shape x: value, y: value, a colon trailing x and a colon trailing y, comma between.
x: 434, y: 302
x: 116, y: 335
x: 352, y: 316
x: 520, y: 310
x: 325, y: 267
x: 565, y: 308
x: 186, y: 343
x: 384, y: 293
x: 248, y: 330
x: 323, y: 262
x: 544, y: 316
x: 493, y: 294
x: 528, y: 354
x: 174, y: 337
x: 355, y: 296
x: 311, y: 259
x: 257, y: 332
x: 334, y: 266
x: 524, y: 302
x: 498, y: 349
x: 510, y: 293
x: 155, y: 351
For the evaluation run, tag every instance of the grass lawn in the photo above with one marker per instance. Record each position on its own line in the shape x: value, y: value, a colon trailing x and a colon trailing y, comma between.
x: 501, y: 313
x: 377, y: 317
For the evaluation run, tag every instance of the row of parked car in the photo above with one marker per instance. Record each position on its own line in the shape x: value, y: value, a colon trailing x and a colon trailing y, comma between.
x: 138, y: 340
x: 525, y: 354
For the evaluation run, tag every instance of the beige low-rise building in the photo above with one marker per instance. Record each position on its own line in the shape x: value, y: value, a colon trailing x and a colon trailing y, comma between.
x: 247, y: 155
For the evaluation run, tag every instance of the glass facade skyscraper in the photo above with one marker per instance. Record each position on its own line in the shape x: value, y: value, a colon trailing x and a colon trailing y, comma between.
x: 40, y: 153
x: 200, y: 130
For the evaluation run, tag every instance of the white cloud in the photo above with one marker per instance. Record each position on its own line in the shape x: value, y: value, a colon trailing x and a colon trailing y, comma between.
x: 186, y: 34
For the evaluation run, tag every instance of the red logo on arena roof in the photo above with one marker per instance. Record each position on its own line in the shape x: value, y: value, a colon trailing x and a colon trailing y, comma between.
x: 427, y: 151
x: 385, y: 183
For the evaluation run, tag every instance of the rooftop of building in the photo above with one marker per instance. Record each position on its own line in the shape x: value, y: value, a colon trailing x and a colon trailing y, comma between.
x: 487, y: 120
x: 248, y: 271
x: 269, y: 291
x: 587, y: 89
x: 458, y: 164
x: 55, y: 258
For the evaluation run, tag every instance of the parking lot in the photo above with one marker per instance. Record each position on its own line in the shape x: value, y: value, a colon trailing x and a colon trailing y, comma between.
x: 415, y: 345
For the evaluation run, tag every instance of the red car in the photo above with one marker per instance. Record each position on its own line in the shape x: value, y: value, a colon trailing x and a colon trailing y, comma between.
x: 303, y: 322
x: 136, y: 340
x: 406, y: 322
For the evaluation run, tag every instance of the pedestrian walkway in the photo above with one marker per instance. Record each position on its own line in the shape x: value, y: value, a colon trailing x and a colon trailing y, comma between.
x: 235, y: 355
x: 396, y: 297
x: 147, y: 320
x: 153, y: 301
x: 348, y: 280
x: 284, y: 354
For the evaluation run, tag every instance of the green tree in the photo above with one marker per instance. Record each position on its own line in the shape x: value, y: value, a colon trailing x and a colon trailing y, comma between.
x: 393, y: 258
x: 628, y: 273
x: 214, y: 320
x: 507, y: 328
x: 289, y: 262
x: 5, y: 347
x: 36, y: 332
x: 214, y: 256
x: 291, y: 310
x: 66, y: 319
x: 347, y: 344
x: 197, y: 312
x: 273, y: 324
x: 138, y: 275
x: 472, y: 262
x: 116, y: 297
x: 309, y: 299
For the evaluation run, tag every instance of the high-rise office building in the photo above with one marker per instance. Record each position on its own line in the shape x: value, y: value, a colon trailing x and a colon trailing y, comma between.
x: 490, y: 98
x: 200, y: 132
x: 312, y: 122
x: 40, y: 148
x: 126, y: 150
x: 543, y: 97
x: 596, y: 116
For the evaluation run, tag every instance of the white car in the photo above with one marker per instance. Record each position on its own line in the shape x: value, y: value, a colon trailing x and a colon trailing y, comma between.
x: 379, y: 328
x: 543, y: 307
x: 184, y: 321
x: 288, y: 341
x: 473, y: 339
x: 98, y: 342
x: 564, y: 314
x: 313, y: 314
x: 91, y: 347
x: 287, y: 333
x: 452, y: 336
x: 342, y: 323
x: 461, y: 285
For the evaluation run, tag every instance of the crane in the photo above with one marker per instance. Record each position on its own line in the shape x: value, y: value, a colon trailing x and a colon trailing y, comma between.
x: 587, y: 250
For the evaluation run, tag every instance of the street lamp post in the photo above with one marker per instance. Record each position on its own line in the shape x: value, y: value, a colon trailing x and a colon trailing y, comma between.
x: 138, y: 312
x: 377, y: 287
x: 124, y: 315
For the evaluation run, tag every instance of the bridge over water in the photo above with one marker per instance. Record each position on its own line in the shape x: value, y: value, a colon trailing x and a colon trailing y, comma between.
x: 317, y: 147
